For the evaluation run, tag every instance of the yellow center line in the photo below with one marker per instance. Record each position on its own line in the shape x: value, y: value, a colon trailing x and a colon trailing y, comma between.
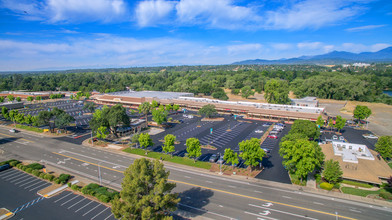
x: 222, y: 191
x: 16, y: 137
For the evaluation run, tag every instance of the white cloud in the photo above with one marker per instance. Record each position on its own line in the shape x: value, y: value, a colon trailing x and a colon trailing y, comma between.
x: 153, y: 12
x: 282, y: 46
x: 312, y: 13
x: 365, y: 28
x: 53, y: 11
x: 243, y: 48
x: 358, y: 48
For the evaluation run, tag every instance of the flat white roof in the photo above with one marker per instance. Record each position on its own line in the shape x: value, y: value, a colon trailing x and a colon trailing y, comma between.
x: 151, y: 94
x: 351, y: 152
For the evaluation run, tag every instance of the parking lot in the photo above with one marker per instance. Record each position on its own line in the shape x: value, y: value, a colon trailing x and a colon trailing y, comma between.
x: 19, y: 194
x: 351, y: 135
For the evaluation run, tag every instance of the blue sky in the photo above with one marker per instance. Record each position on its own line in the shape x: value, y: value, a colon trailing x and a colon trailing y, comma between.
x: 68, y: 34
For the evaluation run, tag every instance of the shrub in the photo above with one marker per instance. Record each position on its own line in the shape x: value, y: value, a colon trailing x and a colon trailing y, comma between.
x: 14, y: 163
x: 35, y: 166
x: 386, y: 195
x: 19, y: 166
x: 29, y: 170
x: 103, y: 198
x: 326, y: 186
x: 75, y: 187
x: 64, y: 178
x: 57, y: 180
x: 24, y: 168
x: 69, y: 184
x: 85, y: 190
x: 49, y: 177
x: 36, y: 173
x: 42, y: 175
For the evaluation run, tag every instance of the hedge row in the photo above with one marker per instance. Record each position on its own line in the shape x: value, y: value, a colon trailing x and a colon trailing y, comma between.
x: 12, y: 162
x: 102, y: 193
x: 326, y: 186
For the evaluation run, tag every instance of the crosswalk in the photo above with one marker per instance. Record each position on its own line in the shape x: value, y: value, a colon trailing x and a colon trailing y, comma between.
x: 26, y: 205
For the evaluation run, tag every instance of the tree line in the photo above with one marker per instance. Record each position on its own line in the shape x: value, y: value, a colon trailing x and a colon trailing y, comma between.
x: 360, y: 84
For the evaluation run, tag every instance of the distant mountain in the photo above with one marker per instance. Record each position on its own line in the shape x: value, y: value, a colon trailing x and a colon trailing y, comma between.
x: 334, y: 57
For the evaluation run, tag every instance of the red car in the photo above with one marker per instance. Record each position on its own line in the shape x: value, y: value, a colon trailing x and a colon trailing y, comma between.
x: 272, y: 136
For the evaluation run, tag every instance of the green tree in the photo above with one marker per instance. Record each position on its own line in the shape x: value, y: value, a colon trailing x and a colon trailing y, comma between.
x: 19, y: 118
x: 340, y: 122
x: 230, y: 157
x: 89, y: 106
x: 13, y: 114
x: 169, y: 107
x: 43, y: 118
x: 219, y: 93
x: 1, y: 99
x: 276, y: 91
x: 362, y: 112
x: 332, y: 171
x: 193, y: 148
x: 247, y: 91
x: 135, y: 138
x: 154, y: 104
x: 18, y: 99
x: 10, y: 98
x: 384, y: 146
x: 145, y: 108
x: 159, y: 116
x: 145, y: 140
x: 208, y: 110
x: 38, y: 98
x: 28, y: 119
x: 305, y: 127
x: 116, y: 116
x: 251, y: 152
x: 301, y: 156
x: 30, y: 98
x: 176, y: 107
x: 330, y: 124
x: 168, y: 146
x: 102, y: 132
x: 63, y: 120
x: 320, y: 121
x: 4, y: 112
x: 146, y: 193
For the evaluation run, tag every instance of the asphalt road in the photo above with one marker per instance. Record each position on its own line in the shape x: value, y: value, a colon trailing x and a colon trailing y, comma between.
x: 202, y: 193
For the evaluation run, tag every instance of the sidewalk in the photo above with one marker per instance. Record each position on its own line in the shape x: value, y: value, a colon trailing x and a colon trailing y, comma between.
x: 311, y: 181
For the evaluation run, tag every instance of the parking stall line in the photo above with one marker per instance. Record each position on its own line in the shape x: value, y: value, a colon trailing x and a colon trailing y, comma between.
x: 70, y: 200
x: 33, y: 184
x: 108, y: 216
x: 77, y: 203
x: 38, y: 187
x: 14, y: 180
x: 83, y: 206
x: 8, y: 172
x: 99, y: 213
x: 13, y: 174
x: 17, y: 176
x: 29, y: 182
x: 63, y: 197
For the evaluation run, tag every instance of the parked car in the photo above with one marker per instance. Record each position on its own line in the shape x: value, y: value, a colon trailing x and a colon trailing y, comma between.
x: 281, y: 125
x: 272, y: 136
x: 334, y: 137
x: 341, y: 138
x: 267, y: 124
x: 276, y: 129
x: 213, y: 158
x: 259, y: 131
x: 266, y: 150
x: 273, y: 132
x: 12, y: 130
x: 370, y: 136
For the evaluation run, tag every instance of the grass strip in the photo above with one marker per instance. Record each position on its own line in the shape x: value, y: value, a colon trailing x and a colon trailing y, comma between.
x: 359, y: 192
x: 354, y: 183
x: 166, y: 157
x: 39, y: 130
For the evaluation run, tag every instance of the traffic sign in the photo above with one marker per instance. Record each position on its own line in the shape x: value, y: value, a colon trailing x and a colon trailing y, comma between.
x: 211, y: 131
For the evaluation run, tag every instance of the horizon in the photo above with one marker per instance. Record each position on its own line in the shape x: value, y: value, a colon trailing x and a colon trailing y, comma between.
x: 43, y: 35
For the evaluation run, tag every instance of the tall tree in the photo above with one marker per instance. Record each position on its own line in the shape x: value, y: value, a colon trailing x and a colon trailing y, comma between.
x: 276, y: 91
x: 230, y: 157
x: 145, y: 140
x: 168, y: 146
x: 207, y: 110
x: 251, y: 152
x: 320, y: 121
x: 362, y: 112
x: 10, y: 98
x: 116, y: 117
x: 247, y: 91
x: 340, y: 122
x: 193, y: 148
x: 102, y: 132
x: 4, y: 112
x: 30, y: 98
x: 176, y: 107
x: 1, y: 99
x: 332, y: 171
x: 146, y: 193
x: 18, y: 99
x: 301, y: 156
x: 62, y: 120
x: 154, y: 104
x: 159, y: 116
x: 305, y: 127
x: 13, y: 114
x: 44, y: 117
x: 145, y: 108
x: 384, y: 146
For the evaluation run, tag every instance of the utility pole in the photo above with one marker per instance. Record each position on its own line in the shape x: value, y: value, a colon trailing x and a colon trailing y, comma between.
x: 99, y: 174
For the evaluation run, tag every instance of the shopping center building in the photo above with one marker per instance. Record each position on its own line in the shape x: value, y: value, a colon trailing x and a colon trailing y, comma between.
x: 256, y: 110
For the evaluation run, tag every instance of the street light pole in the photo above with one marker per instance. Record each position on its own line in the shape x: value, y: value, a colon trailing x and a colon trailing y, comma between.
x: 92, y: 141
x: 99, y: 174
x: 220, y: 165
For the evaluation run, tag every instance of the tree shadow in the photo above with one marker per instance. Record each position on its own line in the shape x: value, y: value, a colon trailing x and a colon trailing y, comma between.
x: 266, y: 163
x: 8, y: 140
x: 192, y: 202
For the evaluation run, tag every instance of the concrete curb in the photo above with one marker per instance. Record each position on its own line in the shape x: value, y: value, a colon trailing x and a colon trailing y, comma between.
x: 6, y: 215
x: 58, y: 190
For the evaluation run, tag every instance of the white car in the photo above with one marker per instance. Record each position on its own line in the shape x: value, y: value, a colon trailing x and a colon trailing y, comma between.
x: 13, y: 130
x: 259, y: 131
x: 334, y: 137
x: 370, y: 136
